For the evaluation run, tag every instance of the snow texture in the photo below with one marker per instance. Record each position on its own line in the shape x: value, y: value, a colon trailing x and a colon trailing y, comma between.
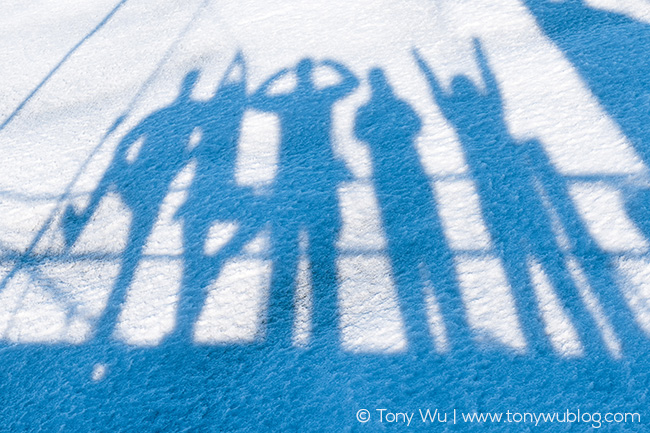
x: 250, y: 216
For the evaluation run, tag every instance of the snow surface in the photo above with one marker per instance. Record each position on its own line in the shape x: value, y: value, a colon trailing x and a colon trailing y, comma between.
x: 264, y: 216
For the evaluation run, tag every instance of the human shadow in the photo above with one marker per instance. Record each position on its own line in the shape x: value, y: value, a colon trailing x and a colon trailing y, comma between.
x: 416, y: 242
x: 143, y: 168
x: 304, y: 204
x: 515, y: 215
x: 609, y: 51
x: 215, y: 196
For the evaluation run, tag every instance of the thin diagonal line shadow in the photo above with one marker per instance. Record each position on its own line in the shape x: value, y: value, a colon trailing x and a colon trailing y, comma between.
x: 24, y: 102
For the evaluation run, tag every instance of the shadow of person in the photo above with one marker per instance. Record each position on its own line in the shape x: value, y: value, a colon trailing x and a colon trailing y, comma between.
x: 215, y: 196
x: 416, y: 242
x: 305, y: 198
x: 143, y: 183
x: 512, y: 210
x: 609, y: 51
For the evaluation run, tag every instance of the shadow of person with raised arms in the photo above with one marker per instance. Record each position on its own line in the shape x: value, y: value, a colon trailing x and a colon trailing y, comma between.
x: 416, y: 241
x: 512, y: 210
x: 305, y: 197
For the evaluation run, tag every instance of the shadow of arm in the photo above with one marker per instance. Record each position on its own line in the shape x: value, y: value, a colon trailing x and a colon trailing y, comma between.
x: 436, y: 88
x: 121, y: 153
x: 486, y: 73
x: 349, y: 81
x: 261, y: 99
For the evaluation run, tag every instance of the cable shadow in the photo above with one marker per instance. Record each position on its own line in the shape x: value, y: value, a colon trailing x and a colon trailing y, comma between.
x: 305, y: 197
x: 28, y: 255
x: 515, y: 216
x: 416, y: 242
x: 38, y: 87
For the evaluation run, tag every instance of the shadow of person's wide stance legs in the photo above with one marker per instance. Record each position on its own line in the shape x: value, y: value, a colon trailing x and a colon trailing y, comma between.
x: 143, y: 182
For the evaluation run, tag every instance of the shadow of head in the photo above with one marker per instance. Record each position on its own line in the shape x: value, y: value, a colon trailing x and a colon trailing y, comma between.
x: 464, y: 88
x: 188, y: 83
